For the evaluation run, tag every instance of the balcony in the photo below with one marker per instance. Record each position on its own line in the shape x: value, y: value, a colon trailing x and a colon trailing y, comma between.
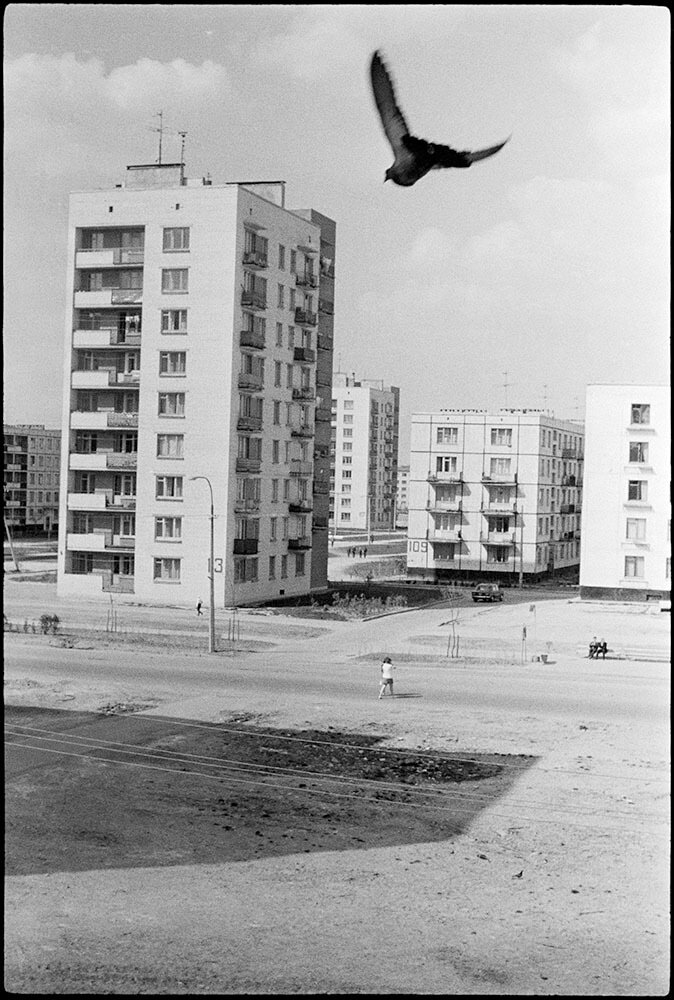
x: 248, y: 464
x: 567, y: 508
x: 302, y: 431
x: 322, y: 414
x: 301, y: 542
x: 250, y: 338
x: 249, y: 424
x: 245, y: 546
x: 104, y: 378
x: 112, y: 257
x: 298, y: 468
x: 446, y: 507
x: 250, y: 380
x: 105, y: 336
x: 438, y: 535
x: 304, y: 354
x: 93, y: 541
x: 500, y: 538
x: 571, y: 453
x: 305, y: 318
x: 300, y: 506
x: 304, y: 392
x: 319, y: 524
x: 101, y: 419
x: 246, y: 505
x: 306, y: 280
x: 106, y: 297
x: 444, y: 477
x: 253, y: 300
x: 325, y: 307
x: 500, y: 479
x: 324, y: 343
x: 255, y: 258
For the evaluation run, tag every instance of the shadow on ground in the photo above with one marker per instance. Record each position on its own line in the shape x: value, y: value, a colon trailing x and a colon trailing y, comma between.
x: 91, y: 791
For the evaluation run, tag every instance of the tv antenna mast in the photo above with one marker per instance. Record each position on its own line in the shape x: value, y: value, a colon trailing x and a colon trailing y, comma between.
x: 506, y: 385
x: 160, y: 129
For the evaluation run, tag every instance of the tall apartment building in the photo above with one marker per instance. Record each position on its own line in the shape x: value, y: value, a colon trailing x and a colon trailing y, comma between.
x: 402, y: 496
x: 31, y: 477
x: 493, y: 495
x: 626, y: 544
x: 364, y: 454
x: 198, y: 350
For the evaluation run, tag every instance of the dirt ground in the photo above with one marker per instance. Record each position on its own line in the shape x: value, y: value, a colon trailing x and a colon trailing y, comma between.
x: 302, y: 841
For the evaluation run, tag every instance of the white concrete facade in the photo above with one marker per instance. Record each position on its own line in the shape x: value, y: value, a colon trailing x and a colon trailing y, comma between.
x: 493, y: 495
x: 364, y: 454
x: 626, y: 544
x: 194, y: 340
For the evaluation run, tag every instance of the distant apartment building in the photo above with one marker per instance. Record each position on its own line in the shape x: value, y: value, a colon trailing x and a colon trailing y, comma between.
x: 364, y: 454
x: 402, y: 496
x: 198, y: 347
x: 494, y: 495
x: 31, y: 478
x: 626, y: 543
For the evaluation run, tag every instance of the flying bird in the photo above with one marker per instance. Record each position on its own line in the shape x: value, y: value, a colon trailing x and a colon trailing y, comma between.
x: 413, y: 157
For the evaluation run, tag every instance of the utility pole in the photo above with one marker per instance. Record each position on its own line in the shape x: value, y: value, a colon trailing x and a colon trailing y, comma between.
x: 11, y: 547
x: 211, y: 630
x: 521, y: 548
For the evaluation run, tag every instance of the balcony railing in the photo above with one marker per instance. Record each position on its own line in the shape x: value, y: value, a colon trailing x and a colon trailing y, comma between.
x: 322, y: 414
x: 326, y: 307
x: 246, y: 505
x: 304, y: 354
x: 324, y: 343
x: 248, y: 464
x: 444, y: 477
x: 302, y: 431
x: 250, y: 380
x: 249, y: 424
x: 499, y: 479
x: 319, y: 524
x: 306, y: 280
x: 255, y: 258
x: 300, y: 506
x: 253, y: 300
x: 250, y: 338
x: 498, y: 538
x: 304, y: 317
x: 301, y: 542
x: 304, y: 392
x: 299, y: 468
x: 245, y: 546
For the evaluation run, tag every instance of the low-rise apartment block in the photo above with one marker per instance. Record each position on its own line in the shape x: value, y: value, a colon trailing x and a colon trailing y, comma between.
x: 31, y: 478
x: 198, y: 346
x: 626, y: 544
x: 494, y: 495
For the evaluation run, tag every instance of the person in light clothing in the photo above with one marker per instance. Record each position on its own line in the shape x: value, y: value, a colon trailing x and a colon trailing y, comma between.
x: 386, y: 676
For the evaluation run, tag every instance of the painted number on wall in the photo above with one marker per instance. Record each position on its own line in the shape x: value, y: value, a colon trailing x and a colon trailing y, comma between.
x: 218, y: 565
x: 417, y: 546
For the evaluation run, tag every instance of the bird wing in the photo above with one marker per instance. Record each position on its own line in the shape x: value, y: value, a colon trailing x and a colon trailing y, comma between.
x: 391, y: 116
x: 482, y: 154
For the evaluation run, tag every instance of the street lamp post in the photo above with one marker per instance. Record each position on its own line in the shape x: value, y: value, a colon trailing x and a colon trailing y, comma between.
x: 211, y: 629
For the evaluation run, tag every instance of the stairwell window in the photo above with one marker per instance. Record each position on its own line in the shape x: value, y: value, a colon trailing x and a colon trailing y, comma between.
x: 174, y: 280
x: 172, y: 362
x: 169, y: 487
x: 639, y: 452
x: 170, y: 446
x: 641, y: 413
x: 168, y: 529
x: 447, y: 435
x: 174, y: 321
x: 637, y: 489
x: 171, y: 404
x: 502, y: 436
x: 634, y: 567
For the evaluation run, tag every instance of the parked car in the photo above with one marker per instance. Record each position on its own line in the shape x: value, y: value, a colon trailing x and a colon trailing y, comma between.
x: 487, y: 592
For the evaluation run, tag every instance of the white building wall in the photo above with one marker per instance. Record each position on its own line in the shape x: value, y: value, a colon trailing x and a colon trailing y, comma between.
x: 606, y: 500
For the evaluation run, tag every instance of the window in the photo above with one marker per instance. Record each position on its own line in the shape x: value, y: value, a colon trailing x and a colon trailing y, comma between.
x: 502, y: 436
x: 168, y: 529
x: 281, y: 265
x: 169, y: 487
x: 292, y: 305
x: 445, y: 463
x: 293, y: 261
x: 639, y: 452
x: 83, y: 562
x: 273, y: 521
x: 299, y: 563
x: 635, y: 529
x: 272, y: 567
x: 445, y: 435
x: 637, y: 489
x: 497, y: 555
x: 277, y: 373
x: 174, y: 321
x: 291, y: 337
x: 173, y: 280
x: 172, y: 362
x: 289, y: 376
x: 170, y: 446
x: 167, y: 570
x: 279, y: 334
x: 499, y: 466
x: 634, y: 567
x: 348, y: 418
x: 275, y: 452
x: 274, y: 490
x: 277, y: 412
x: 171, y: 404
x: 281, y: 297
x: 177, y: 239
x: 641, y: 413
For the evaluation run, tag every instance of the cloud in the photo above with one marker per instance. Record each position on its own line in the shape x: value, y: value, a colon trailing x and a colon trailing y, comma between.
x: 60, y: 111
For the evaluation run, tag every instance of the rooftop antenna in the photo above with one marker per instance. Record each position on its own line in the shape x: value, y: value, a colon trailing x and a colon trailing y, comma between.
x: 160, y: 116
x: 545, y: 398
x: 182, y: 155
x: 506, y: 384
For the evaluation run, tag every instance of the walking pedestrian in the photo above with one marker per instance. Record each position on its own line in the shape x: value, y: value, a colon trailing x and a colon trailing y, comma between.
x: 360, y: 553
x: 386, y: 676
x: 365, y: 553
x: 199, y: 611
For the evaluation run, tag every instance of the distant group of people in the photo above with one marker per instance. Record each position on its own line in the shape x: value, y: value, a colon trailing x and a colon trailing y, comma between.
x: 355, y: 551
x: 598, y: 647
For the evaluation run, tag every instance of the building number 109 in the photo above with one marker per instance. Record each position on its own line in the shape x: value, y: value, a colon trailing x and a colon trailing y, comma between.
x: 417, y: 546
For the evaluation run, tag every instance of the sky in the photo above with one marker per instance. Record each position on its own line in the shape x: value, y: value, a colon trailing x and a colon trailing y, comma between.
x: 516, y: 282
